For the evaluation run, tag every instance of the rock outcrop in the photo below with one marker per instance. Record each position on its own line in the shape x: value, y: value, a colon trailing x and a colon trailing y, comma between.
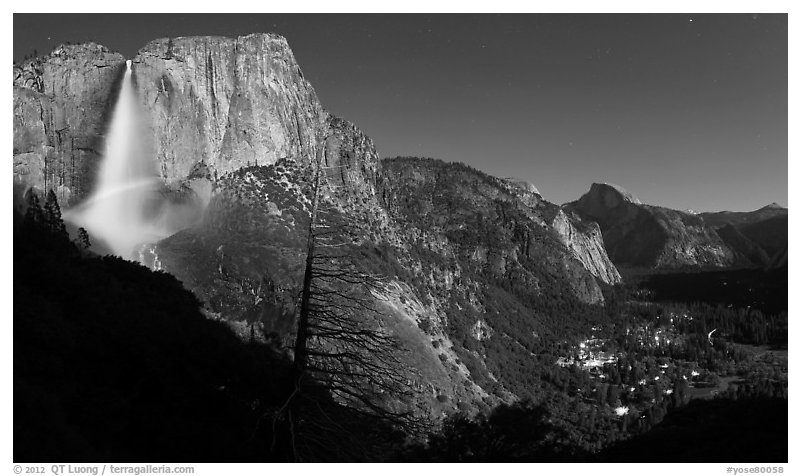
x: 644, y: 236
x: 350, y: 157
x: 584, y: 240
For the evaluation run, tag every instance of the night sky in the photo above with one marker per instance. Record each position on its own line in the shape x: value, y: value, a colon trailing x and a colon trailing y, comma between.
x: 683, y: 110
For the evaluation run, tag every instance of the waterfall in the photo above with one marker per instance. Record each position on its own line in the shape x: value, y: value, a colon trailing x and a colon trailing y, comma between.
x: 120, y: 210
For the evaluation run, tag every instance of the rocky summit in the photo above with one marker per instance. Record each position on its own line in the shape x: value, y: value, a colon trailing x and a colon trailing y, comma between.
x: 645, y: 236
x: 240, y: 101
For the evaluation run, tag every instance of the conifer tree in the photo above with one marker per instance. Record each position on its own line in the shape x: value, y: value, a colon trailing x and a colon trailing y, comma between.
x: 52, y: 215
x: 34, y: 216
x: 341, y: 352
x: 83, y: 238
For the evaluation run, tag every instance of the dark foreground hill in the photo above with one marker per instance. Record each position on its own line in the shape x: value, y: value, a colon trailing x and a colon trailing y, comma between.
x: 115, y: 362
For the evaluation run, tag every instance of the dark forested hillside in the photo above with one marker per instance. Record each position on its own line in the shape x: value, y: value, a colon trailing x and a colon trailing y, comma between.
x: 115, y: 362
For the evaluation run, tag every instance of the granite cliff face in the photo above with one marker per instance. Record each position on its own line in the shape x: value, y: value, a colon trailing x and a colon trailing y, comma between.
x: 240, y: 101
x: 581, y: 237
x: 584, y: 240
x: 526, y: 190
x: 213, y: 105
x: 638, y: 235
x: 62, y: 103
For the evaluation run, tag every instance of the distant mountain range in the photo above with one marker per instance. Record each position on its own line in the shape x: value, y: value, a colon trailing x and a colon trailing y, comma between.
x: 717, y: 219
x: 646, y: 236
x: 761, y: 234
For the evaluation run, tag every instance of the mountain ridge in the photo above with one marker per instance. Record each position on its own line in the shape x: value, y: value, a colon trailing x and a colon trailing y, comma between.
x: 764, y: 229
x: 647, y: 236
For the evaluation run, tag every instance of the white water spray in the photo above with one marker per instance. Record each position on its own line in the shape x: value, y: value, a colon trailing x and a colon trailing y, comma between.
x: 120, y: 211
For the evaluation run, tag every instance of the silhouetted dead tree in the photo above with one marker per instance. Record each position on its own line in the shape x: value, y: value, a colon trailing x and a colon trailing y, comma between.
x: 347, y: 372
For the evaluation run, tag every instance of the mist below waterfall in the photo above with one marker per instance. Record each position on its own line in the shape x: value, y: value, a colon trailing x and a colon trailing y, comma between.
x: 130, y: 206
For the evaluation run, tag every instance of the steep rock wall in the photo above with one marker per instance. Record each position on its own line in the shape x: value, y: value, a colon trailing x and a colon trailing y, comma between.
x: 585, y: 241
x: 225, y: 103
x: 62, y: 103
x: 210, y: 103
